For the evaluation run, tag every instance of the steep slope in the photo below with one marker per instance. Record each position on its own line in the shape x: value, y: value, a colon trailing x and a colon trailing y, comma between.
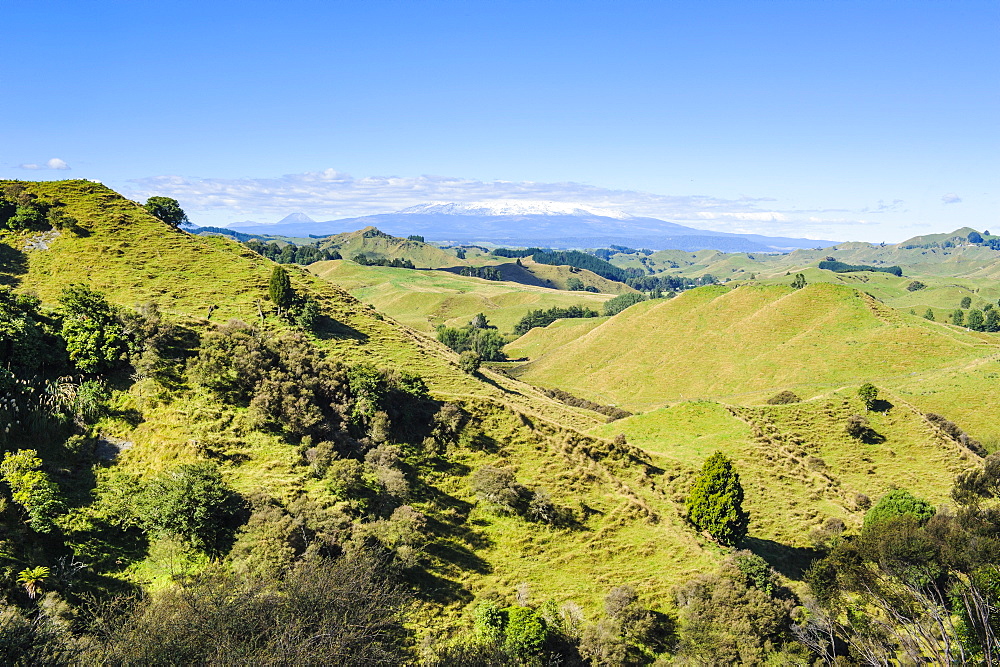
x: 750, y: 342
x: 133, y: 258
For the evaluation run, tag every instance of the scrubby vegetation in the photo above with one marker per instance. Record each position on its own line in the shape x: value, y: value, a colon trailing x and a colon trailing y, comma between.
x: 478, y: 336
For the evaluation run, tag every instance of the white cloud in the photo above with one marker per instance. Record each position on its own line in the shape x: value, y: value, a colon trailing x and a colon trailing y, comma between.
x: 54, y: 163
x: 331, y: 194
x: 951, y: 198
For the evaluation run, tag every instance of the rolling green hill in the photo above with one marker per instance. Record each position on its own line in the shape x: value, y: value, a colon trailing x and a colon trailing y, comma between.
x: 426, y: 299
x: 748, y: 343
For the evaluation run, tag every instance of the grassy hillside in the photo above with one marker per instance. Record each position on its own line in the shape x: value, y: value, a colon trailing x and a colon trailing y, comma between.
x: 797, y: 463
x: 374, y: 243
x: 468, y: 549
x: 747, y: 343
x: 426, y: 299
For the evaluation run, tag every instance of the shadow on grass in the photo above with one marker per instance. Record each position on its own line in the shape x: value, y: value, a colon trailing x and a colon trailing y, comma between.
x: 791, y: 562
x: 433, y: 588
x: 13, y: 263
x: 881, y: 405
x: 326, y: 327
x: 460, y: 556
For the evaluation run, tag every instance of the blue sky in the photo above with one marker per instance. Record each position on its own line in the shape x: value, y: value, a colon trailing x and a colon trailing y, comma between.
x: 834, y: 119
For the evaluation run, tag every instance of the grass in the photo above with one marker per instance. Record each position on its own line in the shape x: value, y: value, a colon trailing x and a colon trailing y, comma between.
x: 748, y: 343
x: 797, y: 464
x: 425, y: 300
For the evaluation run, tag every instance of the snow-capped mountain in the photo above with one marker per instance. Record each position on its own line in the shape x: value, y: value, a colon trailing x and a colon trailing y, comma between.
x: 507, y: 207
x: 535, y: 223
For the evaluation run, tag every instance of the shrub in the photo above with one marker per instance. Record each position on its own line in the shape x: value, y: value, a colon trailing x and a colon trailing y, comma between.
x: 915, y: 285
x: 857, y: 427
x: 469, y: 362
x: 898, y: 503
x: 499, y: 487
x: 783, y: 398
x: 191, y: 503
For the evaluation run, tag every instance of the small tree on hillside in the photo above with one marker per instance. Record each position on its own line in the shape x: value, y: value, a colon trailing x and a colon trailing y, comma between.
x: 992, y: 322
x: 799, y: 282
x: 929, y: 315
x: 168, y: 210
x: 966, y: 301
x: 95, y: 338
x: 958, y: 318
x: 469, y: 362
x: 976, y: 320
x: 279, y: 289
x: 715, y: 503
x: 868, y: 393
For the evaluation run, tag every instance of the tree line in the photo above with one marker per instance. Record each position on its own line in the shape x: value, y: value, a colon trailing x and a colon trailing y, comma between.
x: 543, y: 318
x: 290, y: 253
x: 841, y: 267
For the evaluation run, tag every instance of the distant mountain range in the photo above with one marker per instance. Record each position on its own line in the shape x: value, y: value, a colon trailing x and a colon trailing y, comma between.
x: 534, y: 223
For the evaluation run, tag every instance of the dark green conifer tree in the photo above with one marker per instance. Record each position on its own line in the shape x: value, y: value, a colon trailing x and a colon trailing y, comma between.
x: 715, y: 503
x: 280, y: 288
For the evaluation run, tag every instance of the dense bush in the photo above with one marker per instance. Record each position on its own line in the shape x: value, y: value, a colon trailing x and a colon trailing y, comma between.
x: 371, y: 260
x: 485, y: 272
x: 478, y: 336
x: 191, y: 503
x: 610, y: 411
x: 841, y: 267
x: 543, y: 318
x: 897, y: 503
x: 347, y: 612
x: 737, y: 615
x: 95, y: 338
x: 621, y: 302
x: 289, y: 253
x: 953, y: 431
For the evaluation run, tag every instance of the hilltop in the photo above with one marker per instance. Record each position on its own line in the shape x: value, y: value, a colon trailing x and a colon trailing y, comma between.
x: 746, y: 343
